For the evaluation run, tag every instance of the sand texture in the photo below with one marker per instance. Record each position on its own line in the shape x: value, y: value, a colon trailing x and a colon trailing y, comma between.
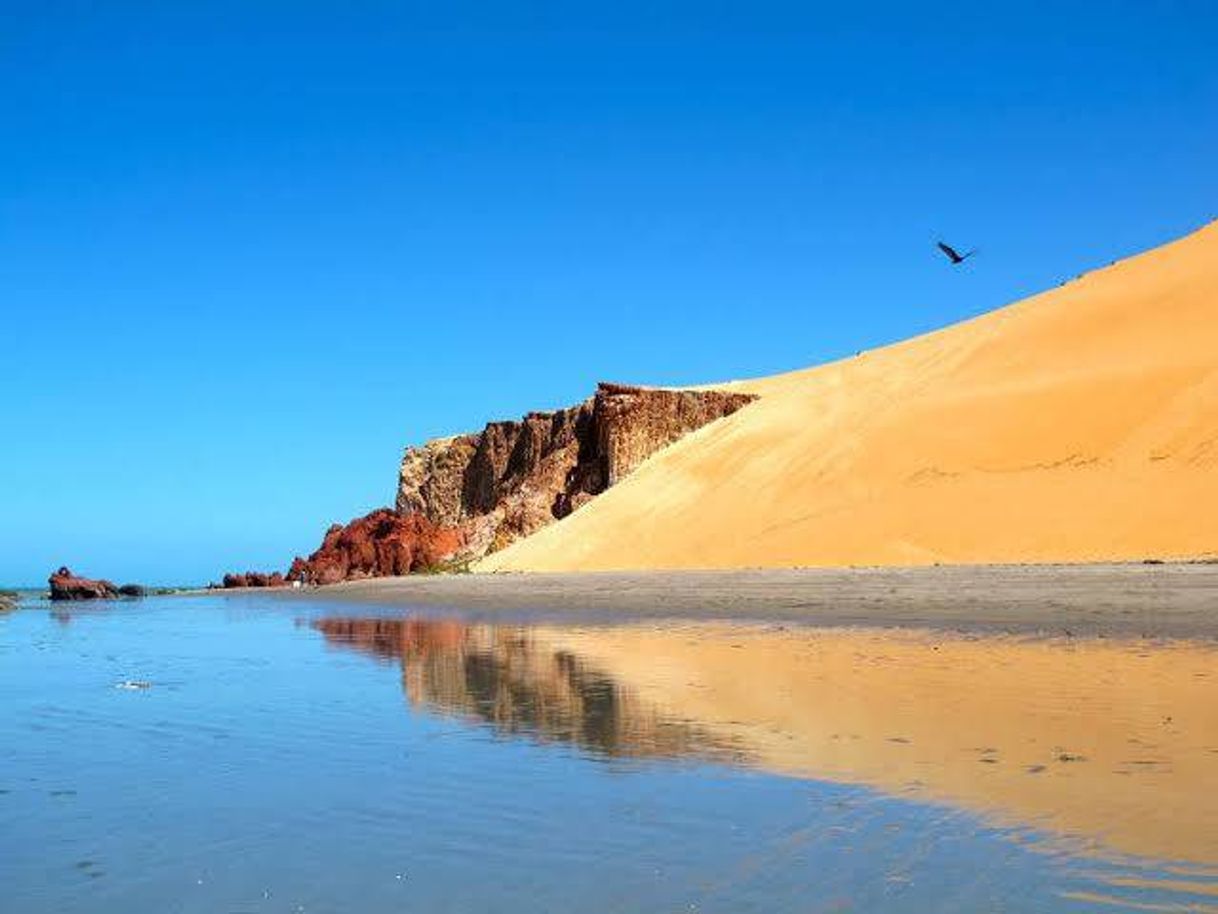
x: 1079, y: 425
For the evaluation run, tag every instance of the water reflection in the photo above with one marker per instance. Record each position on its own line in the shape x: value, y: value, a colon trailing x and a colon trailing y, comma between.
x: 506, y: 677
x: 1112, y: 744
x: 271, y: 769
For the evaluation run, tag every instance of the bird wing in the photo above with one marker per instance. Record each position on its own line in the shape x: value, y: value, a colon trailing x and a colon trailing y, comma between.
x: 949, y: 251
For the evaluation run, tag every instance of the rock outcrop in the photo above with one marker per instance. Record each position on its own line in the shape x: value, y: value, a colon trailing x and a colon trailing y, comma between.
x: 462, y: 497
x: 380, y: 544
x: 513, y: 478
x: 253, y: 579
x: 67, y: 586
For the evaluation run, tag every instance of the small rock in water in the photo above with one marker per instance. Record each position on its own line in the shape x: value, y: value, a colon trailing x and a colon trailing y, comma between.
x: 134, y: 684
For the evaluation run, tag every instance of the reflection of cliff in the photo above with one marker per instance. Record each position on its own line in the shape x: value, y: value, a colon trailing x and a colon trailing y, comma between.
x: 501, y: 675
x: 1112, y: 741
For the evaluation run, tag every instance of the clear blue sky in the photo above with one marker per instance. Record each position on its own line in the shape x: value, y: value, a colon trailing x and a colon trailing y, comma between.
x: 248, y: 251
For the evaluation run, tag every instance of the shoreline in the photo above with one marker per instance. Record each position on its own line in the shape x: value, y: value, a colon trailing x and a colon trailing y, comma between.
x: 1170, y: 600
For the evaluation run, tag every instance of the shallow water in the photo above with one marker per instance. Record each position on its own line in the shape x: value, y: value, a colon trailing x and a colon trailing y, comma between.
x: 244, y: 754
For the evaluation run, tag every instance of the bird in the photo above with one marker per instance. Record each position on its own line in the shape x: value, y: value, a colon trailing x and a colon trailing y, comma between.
x: 952, y: 255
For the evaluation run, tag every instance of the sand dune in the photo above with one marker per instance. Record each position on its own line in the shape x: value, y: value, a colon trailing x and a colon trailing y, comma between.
x: 1077, y: 425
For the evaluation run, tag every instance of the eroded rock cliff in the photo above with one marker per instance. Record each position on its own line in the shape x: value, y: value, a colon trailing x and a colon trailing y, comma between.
x: 513, y: 478
x: 462, y: 497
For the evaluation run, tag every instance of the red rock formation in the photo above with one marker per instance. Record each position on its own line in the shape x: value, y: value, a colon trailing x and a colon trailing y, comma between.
x: 380, y: 544
x: 254, y: 579
x: 67, y: 586
x: 514, y: 478
x: 464, y: 496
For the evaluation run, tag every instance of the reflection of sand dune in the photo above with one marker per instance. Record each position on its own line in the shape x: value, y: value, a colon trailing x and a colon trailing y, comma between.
x: 1113, y: 742
x: 500, y: 675
x: 1077, y: 425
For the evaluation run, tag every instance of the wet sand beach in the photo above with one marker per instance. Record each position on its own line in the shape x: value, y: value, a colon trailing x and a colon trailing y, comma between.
x: 1135, y: 600
x: 390, y: 749
x: 1067, y: 706
x: 1110, y: 743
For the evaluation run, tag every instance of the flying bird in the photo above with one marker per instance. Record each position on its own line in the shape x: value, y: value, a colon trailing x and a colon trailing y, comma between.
x: 952, y: 254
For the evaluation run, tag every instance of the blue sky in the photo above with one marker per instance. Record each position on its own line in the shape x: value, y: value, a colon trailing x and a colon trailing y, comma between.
x: 248, y: 251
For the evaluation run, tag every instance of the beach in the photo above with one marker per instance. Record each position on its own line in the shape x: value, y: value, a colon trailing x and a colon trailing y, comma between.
x: 317, y: 754
x: 1104, y: 600
x: 705, y: 458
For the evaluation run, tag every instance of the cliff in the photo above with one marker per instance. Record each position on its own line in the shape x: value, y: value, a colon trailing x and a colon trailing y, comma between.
x: 462, y: 497
x: 513, y: 478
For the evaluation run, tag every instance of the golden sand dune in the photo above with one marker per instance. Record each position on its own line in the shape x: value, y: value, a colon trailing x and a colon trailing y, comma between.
x: 1077, y: 425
